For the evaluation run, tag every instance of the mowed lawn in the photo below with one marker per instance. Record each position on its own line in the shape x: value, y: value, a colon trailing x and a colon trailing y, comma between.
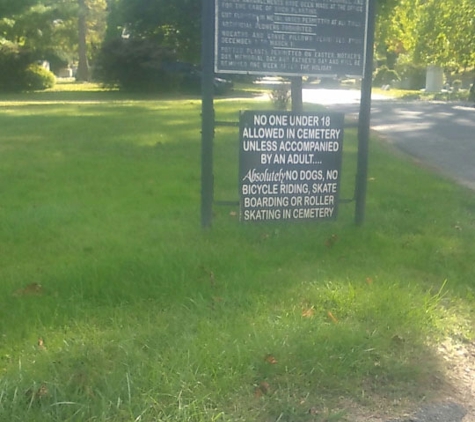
x: 115, y: 305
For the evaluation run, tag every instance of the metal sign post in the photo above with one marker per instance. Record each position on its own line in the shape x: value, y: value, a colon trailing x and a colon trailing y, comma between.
x: 364, y: 120
x: 207, y: 113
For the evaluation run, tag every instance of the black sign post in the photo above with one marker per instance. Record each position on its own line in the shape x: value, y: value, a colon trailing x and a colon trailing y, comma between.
x: 207, y: 113
x: 364, y: 120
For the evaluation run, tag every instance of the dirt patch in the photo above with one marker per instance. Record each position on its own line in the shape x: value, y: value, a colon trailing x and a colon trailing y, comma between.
x: 451, y: 397
x: 460, y: 374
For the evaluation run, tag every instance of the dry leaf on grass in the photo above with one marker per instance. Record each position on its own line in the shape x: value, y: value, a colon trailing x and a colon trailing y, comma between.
x: 331, y: 241
x: 35, y: 394
x: 30, y: 290
x: 270, y: 359
x: 309, y: 312
x: 41, y: 343
x: 262, y: 389
x: 332, y: 317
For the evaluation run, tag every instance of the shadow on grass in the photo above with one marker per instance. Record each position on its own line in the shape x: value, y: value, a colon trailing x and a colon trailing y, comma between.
x: 106, y: 96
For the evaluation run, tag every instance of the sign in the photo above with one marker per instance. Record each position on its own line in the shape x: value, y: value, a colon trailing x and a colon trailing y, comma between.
x: 291, y: 37
x: 289, y: 167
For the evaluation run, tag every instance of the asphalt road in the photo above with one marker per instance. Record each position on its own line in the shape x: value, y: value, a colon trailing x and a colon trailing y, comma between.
x: 439, y: 134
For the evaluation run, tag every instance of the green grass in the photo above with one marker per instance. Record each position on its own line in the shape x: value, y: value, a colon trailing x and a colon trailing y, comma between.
x: 143, y: 316
x: 406, y: 94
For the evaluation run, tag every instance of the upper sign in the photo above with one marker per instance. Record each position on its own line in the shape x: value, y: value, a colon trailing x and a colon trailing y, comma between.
x: 291, y: 37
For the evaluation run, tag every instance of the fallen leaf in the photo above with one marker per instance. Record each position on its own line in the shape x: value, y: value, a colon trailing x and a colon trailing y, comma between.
x: 313, y: 411
x: 30, y: 289
x: 369, y: 280
x: 265, y: 387
x: 333, y: 319
x: 233, y: 214
x: 308, y: 313
x: 331, y: 241
x: 37, y: 394
x: 270, y: 359
x: 262, y: 389
x: 41, y: 344
x: 42, y: 391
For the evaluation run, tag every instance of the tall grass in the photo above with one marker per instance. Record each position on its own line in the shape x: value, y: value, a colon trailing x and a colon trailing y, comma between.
x: 116, y: 306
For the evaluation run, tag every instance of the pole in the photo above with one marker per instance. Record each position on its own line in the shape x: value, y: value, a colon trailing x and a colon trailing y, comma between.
x: 207, y: 112
x: 364, y: 120
x: 296, y: 93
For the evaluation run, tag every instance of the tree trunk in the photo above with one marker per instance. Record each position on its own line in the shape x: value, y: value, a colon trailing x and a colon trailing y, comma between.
x: 83, y: 66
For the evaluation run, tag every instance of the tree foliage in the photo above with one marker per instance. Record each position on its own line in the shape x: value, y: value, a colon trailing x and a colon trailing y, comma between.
x: 428, y: 31
x: 416, y: 31
x: 136, y: 65
x: 19, y: 72
x: 172, y: 24
x: 9, y: 8
x: 52, y: 25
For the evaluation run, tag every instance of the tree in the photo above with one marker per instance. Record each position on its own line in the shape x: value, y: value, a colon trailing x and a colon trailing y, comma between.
x: 428, y: 31
x: 172, y: 24
x: 83, y: 64
x: 70, y: 29
x: 9, y: 8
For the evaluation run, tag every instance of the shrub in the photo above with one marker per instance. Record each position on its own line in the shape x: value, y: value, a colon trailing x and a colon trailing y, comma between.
x: 385, y: 76
x: 13, y: 62
x: 19, y: 72
x: 135, y: 65
x: 280, y: 97
x: 456, y: 85
x: 37, y: 78
x: 412, y: 76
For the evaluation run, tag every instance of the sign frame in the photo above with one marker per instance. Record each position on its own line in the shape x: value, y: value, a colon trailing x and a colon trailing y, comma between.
x: 208, y: 122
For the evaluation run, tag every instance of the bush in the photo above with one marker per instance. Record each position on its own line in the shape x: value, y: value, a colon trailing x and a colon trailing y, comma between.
x: 37, y: 78
x: 13, y: 62
x: 280, y: 97
x: 385, y: 76
x: 19, y: 72
x: 413, y: 77
x: 456, y: 85
x: 135, y: 65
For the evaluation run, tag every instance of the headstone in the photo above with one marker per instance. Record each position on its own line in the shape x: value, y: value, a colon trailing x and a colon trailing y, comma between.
x: 434, y: 79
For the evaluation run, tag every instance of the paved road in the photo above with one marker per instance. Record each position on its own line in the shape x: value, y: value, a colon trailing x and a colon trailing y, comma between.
x: 440, y: 134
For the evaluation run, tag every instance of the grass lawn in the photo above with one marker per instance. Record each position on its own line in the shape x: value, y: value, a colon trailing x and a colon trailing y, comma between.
x: 116, y: 306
